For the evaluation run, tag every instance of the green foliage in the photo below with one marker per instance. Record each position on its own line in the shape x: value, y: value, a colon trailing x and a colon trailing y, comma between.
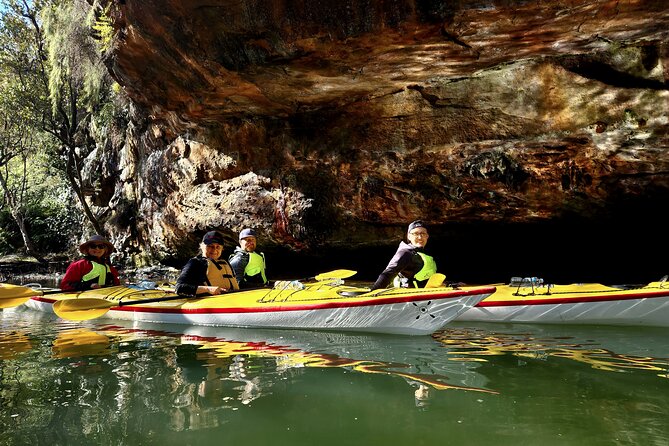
x: 102, y: 25
x: 57, y: 100
x: 10, y: 238
x: 52, y: 225
x: 75, y: 69
x: 51, y: 217
x: 21, y: 92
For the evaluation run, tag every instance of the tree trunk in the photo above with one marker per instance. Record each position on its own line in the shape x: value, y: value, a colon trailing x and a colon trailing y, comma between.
x: 71, y: 170
x: 15, y: 209
x: 27, y: 241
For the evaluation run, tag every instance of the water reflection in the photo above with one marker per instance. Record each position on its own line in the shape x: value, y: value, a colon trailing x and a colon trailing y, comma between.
x: 63, y: 382
x: 12, y: 343
x: 219, y: 369
x: 80, y: 342
x: 195, y: 376
x: 604, y: 348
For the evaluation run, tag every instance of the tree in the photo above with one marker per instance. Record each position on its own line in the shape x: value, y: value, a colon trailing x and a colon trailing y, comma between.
x: 16, y: 144
x: 70, y: 82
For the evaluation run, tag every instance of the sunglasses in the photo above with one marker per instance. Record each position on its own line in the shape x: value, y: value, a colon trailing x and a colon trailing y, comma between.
x: 96, y: 246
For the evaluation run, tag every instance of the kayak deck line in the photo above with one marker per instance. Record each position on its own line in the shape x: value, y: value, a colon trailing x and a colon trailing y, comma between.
x: 317, y: 307
x: 324, y: 302
x: 537, y: 299
x: 334, y: 304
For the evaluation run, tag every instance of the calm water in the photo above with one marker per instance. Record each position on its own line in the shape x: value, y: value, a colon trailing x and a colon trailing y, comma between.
x: 107, y: 382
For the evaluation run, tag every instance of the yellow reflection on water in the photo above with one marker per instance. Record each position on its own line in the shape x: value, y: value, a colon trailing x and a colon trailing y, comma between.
x: 12, y: 343
x: 80, y: 342
x: 467, y: 344
x: 287, y: 356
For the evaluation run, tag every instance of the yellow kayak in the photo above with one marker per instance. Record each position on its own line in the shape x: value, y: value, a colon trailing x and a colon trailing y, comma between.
x: 531, y: 300
x: 328, y: 305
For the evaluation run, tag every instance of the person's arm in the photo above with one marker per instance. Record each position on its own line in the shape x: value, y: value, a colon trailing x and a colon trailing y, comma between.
x: 190, y: 277
x: 115, y: 275
x: 193, y: 277
x: 71, y: 281
x: 238, y: 263
x: 395, y: 266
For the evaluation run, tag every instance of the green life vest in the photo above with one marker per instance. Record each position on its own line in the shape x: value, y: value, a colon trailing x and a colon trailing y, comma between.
x: 428, y: 269
x: 98, y: 271
x: 256, y: 266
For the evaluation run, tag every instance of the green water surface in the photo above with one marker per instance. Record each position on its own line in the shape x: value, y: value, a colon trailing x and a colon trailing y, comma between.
x: 106, y: 382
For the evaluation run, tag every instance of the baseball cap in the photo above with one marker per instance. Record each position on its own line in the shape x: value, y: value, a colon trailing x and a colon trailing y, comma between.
x: 212, y: 237
x: 248, y: 232
x: 416, y: 224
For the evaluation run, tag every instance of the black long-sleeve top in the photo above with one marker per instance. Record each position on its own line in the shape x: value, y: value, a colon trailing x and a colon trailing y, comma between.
x: 406, y: 261
x: 193, y: 274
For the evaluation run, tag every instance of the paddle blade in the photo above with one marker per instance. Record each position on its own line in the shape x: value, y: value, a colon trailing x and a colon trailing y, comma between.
x: 15, y: 295
x: 82, y: 309
x: 336, y: 274
x: 435, y: 281
x: 9, y: 302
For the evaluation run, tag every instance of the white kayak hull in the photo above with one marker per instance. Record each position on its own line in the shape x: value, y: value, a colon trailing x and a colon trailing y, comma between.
x: 417, y: 312
x: 575, y: 304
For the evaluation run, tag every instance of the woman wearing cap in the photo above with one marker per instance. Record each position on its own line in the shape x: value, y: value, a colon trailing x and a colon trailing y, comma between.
x: 410, y: 266
x: 248, y: 265
x: 94, y: 270
x: 207, y: 273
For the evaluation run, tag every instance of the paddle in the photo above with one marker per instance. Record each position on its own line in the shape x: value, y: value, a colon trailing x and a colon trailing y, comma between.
x: 15, y: 295
x: 332, y: 277
x: 84, y: 308
x: 436, y: 280
x: 336, y: 274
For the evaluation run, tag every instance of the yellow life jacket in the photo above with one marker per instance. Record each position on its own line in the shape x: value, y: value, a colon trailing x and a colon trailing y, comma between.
x: 98, y: 271
x: 220, y: 274
x: 256, y: 266
x: 429, y: 268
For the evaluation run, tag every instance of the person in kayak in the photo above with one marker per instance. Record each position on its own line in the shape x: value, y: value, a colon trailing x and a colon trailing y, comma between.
x: 410, y: 266
x: 94, y: 270
x: 248, y: 265
x: 207, y: 273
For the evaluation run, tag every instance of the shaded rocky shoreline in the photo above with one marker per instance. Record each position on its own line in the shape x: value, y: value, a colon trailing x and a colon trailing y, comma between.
x: 620, y: 250
x: 49, y: 274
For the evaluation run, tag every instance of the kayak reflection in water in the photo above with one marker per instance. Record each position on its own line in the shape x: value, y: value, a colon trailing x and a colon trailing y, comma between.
x: 94, y: 270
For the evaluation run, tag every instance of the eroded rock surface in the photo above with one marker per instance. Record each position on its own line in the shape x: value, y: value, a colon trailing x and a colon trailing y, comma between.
x: 332, y: 124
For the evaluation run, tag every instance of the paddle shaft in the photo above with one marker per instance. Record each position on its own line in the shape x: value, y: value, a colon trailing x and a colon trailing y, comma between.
x: 51, y: 291
x: 180, y: 296
x: 336, y: 274
x: 158, y: 299
x: 177, y: 297
x: 84, y: 308
x: 120, y: 303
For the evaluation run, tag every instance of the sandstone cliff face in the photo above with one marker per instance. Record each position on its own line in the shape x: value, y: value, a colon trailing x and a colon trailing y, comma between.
x: 332, y: 124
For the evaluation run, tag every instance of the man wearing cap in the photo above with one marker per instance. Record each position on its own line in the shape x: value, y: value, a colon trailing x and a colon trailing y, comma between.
x: 410, y: 266
x: 248, y: 265
x: 94, y: 270
x: 207, y: 273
